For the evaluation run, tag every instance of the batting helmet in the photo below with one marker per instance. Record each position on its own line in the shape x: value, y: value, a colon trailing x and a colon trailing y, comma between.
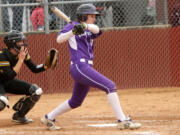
x: 12, y: 38
x: 84, y: 10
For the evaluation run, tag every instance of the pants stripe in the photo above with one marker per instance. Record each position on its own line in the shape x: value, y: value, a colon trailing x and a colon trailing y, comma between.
x: 92, y: 79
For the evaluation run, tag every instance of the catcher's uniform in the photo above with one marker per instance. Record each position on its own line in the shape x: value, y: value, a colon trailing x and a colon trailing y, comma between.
x: 82, y: 71
x: 14, y: 41
x: 8, y: 82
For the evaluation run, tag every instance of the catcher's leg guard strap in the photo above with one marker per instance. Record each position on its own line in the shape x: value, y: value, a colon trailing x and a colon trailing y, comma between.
x: 2, y: 105
x: 3, y: 102
x: 25, y: 104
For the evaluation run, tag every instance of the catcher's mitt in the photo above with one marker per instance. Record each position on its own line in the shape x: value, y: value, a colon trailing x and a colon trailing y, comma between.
x: 51, y: 59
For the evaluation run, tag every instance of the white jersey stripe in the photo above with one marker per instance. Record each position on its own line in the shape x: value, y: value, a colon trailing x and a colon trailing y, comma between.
x: 72, y: 43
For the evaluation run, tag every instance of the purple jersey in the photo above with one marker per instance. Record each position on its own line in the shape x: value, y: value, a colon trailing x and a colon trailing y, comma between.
x: 80, y: 46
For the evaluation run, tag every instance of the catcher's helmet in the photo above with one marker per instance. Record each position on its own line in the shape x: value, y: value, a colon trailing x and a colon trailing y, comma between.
x: 12, y: 38
x: 84, y: 10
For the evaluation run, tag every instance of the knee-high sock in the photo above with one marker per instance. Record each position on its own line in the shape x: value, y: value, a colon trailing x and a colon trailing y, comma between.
x: 115, y: 104
x: 62, y: 108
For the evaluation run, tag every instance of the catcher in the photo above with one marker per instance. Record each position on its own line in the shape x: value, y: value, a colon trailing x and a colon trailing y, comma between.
x: 11, y: 61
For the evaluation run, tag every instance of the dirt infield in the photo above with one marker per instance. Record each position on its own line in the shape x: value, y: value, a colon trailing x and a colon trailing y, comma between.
x: 157, y: 109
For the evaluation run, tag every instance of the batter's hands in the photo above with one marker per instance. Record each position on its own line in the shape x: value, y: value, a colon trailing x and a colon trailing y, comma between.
x: 22, y: 54
x: 79, y: 29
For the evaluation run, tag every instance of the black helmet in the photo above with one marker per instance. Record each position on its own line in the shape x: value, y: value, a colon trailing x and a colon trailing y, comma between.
x: 84, y: 10
x: 12, y: 38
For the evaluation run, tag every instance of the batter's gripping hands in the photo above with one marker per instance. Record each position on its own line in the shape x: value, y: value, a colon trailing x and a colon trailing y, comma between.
x: 79, y: 29
x: 51, y: 59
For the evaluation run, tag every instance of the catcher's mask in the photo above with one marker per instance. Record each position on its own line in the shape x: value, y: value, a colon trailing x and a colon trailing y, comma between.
x: 12, y: 38
x: 84, y: 10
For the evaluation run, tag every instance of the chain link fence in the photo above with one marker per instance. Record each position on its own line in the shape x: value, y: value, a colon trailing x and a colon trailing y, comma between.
x: 35, y: 15
x: 139, y: 46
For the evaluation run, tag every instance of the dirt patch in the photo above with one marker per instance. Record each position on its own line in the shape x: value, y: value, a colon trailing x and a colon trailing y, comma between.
x: 157, y: 109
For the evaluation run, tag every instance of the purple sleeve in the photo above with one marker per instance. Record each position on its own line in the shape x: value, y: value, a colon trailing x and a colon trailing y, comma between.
x: 93, y: 36
x: 67, y: 28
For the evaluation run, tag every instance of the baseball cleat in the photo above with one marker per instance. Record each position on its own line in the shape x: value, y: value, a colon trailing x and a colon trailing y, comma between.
x: 128, y: 124
x: 21, y: 120
x: 49, y: 123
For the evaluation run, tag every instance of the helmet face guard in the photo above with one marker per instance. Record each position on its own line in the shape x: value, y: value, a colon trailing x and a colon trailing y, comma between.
x: 12, y: 38
x: 84, y: 10
x: 18, y: 47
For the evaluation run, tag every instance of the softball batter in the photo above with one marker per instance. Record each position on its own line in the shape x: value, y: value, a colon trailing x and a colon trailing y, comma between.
x: 80, y: 36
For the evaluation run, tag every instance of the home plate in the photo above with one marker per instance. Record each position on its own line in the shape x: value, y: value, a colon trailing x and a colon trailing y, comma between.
x: 103, y: 125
